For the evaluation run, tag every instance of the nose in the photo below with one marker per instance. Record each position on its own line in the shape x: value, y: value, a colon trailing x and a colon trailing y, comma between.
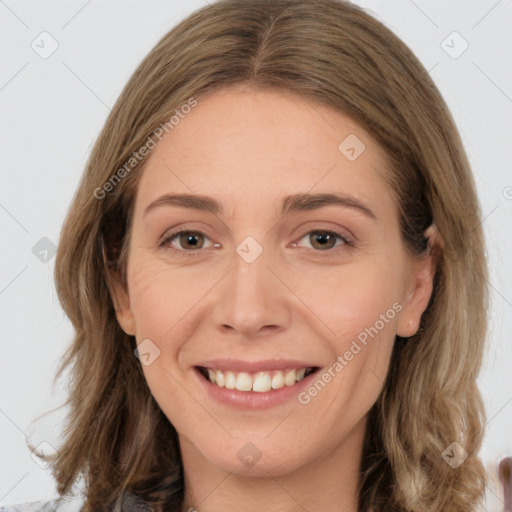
x: 252, y: 299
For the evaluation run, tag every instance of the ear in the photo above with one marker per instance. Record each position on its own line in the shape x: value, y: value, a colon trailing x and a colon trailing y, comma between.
x: 121, y: 299
x: 420, y: 285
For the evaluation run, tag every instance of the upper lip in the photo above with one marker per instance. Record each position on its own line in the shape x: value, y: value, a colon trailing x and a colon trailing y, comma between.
x: 254, y: 366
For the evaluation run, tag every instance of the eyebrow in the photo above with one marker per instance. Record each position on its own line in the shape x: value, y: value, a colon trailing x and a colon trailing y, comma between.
x: 291, y: 204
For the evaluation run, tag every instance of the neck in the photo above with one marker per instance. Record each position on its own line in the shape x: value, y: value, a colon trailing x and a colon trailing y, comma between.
x: 328, y: 483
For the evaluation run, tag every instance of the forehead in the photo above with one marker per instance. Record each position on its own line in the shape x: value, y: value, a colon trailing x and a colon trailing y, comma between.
x: 252, y: 147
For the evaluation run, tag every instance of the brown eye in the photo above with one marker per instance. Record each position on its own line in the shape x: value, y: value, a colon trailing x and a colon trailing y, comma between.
x: 189, y: 240
x: 324, y: 240
x: 184, y: 241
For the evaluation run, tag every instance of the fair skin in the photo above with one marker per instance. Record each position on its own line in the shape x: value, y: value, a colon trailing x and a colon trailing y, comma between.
x: 248, y: 149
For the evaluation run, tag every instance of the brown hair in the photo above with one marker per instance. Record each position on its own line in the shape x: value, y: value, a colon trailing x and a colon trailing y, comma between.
x: 331, y: 52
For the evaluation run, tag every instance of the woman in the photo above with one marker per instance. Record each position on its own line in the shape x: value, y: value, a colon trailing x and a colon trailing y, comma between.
x: 275, y: 269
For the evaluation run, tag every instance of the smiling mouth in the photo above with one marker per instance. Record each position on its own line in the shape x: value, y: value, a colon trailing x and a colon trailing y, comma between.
x: 255, y: 382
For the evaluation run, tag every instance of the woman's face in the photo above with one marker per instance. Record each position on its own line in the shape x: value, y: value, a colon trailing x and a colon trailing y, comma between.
x: 294, y: 262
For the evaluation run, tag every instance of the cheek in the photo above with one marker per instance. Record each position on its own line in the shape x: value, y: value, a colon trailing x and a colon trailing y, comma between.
x: 161, y: 297
x: 342, y: 303
x: 352, y: 298
x: 160, y: 301
x: 165, y: 302
x: 360, y: 308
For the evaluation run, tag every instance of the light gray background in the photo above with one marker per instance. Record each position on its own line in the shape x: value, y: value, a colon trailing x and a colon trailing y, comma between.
x: 53, y: 108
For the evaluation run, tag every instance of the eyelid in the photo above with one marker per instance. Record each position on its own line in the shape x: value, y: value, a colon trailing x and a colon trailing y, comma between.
x: 171, y: 233
x: 347, y: 238
x: 332, y: 252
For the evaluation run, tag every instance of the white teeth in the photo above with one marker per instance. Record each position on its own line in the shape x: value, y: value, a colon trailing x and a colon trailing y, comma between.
x: 290, y: 378
x: 230, y: 380
x: 278, y: 380
x: 219, y: 379
x: 243, y: 382
x: 260, y: 382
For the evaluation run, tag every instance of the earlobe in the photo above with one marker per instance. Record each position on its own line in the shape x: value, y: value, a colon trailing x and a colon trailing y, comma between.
x: 421, y: 286
x: 118, y: 289
x: 121, y: 299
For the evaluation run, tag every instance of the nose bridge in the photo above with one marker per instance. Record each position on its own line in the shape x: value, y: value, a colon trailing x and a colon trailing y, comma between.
x: 251, y: 297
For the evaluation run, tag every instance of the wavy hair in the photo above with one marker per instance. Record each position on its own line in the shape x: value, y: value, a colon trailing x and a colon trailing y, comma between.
x: 116, y: 438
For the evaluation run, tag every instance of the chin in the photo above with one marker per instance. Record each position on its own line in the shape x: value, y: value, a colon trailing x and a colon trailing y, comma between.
x: 257, y: 455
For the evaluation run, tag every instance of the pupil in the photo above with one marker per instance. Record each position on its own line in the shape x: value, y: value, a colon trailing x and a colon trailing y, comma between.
x: 190, y: 240
x: 322, y: 238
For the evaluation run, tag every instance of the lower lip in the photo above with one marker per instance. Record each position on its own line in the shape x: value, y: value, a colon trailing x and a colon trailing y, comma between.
x: 253, y: 400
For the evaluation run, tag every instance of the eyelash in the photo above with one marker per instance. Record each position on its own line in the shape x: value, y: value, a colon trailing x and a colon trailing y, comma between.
x: 331, y: 252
